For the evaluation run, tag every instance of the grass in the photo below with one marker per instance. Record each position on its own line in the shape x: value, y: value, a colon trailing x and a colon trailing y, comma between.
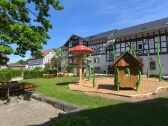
x: 152, y: 113
x: 58, y: 88
x: 103, y: 112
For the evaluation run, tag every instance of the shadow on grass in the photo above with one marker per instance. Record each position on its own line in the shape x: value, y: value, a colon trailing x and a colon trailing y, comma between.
x: 66, y: 83
x: 146, y: 113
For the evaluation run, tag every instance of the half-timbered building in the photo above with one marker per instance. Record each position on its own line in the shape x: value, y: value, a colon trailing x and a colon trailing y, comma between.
x: 96, y: 42
x: 143, y: 38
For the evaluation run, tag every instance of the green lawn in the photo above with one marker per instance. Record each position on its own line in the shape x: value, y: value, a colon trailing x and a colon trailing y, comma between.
x: 103, y: 112
x: 58, y: 88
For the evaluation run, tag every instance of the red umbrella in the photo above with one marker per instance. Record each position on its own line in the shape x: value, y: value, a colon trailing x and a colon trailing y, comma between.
x: 80, y: 50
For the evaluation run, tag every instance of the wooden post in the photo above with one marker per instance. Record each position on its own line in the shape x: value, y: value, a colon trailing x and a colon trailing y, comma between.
x: 80, y: 71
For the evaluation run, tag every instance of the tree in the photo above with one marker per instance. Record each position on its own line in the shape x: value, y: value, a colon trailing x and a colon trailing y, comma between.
x: 22, y: 62
x: 24, y: 26
x: 57, y: 60
x: 47, y: 67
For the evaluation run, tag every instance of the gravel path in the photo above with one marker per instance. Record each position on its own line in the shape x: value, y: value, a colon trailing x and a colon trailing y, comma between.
x: 26, y: 113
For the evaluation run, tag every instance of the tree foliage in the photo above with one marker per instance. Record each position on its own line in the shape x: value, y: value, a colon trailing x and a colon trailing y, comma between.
x: 57, y: 60
x: 22, y: 62
x: 24, y: 26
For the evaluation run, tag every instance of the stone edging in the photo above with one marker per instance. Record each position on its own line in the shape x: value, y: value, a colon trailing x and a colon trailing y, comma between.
x: 65, y: 106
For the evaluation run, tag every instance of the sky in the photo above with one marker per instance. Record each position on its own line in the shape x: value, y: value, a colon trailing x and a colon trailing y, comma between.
x: 89, y: 17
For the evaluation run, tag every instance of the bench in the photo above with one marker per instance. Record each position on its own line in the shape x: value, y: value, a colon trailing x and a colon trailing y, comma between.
x: 16, y: 87
x: 49, y: 75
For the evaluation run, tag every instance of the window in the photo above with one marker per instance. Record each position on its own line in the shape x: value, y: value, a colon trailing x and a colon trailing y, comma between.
x: 96, y: 60
x: 133, y: 45
x: 140, y: 46
x: 117, y: 45
x: 152, y: 65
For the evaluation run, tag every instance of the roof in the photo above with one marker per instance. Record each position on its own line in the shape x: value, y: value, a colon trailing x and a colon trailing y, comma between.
x: 16, y: 65
x: 153, y: 25
x: 44, y: 53
x: 112, y: 34
x: 106, y: 34
x: 81, y: 38
x: 101, y: 35
x: 81, y: 50
x: 127, y: 53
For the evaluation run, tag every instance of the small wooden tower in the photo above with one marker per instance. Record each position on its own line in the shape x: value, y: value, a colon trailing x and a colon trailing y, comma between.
x: 127, y: 71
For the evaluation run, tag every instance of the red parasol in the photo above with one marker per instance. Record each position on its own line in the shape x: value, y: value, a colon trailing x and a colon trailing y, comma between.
x: 80, y: 50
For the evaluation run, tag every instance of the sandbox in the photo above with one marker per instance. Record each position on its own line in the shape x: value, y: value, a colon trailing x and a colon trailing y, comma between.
x: 149, y: 86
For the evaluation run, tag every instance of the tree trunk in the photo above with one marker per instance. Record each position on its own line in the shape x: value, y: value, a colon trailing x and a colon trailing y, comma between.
x: 57, y: 70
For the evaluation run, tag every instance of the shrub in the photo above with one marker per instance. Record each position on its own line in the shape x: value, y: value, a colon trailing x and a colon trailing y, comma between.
x: 30, y: 74
x: 37, y: 68
x: 5, y: 76
x: 17, y: 73
x: 14, y: 72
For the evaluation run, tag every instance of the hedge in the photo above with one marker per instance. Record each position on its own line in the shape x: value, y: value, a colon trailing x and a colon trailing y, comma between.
x: 17, y: 73
x: 30, y: 74
x: 5, y: 76
x: 14, y: 72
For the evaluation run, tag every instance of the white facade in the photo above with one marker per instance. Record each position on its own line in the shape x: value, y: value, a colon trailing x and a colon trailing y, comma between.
x: 33, y: 63
x: 155, y: 71
x: 146, y: 45
x: 99, y: 62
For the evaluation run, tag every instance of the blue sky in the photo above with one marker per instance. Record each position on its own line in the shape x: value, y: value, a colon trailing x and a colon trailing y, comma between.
x: 87, y: 17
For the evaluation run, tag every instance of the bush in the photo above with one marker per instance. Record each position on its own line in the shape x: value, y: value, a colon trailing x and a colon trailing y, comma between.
x: 30, y: 74
x: 5, y: 76
x: 17, y: 73
x: 37, y: 68
x: 14, y: 72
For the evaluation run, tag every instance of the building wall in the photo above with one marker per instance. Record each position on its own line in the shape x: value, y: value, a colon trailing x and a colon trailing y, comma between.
x: 144, y: 45
x: 33, y: 63
x: 99, y: 62
x: 47, y: 58
x: 164, y: 62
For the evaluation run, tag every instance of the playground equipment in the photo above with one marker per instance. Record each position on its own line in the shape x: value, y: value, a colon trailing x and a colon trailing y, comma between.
x: 79, y: 51
x: 91, y: 69
x: 127, y: 71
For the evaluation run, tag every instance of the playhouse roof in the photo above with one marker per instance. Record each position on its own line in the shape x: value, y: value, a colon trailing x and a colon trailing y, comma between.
x: 130, y: 55
x: 81, y: 50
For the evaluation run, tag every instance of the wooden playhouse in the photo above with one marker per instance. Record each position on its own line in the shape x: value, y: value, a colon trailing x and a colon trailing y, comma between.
x: 127, y: 71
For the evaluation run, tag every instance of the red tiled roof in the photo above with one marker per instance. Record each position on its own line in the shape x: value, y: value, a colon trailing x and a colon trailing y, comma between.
x: 45, y: 52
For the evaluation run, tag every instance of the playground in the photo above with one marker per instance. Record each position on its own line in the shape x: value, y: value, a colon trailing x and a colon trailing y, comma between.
x: 128, y: 80
x: 149, y: 86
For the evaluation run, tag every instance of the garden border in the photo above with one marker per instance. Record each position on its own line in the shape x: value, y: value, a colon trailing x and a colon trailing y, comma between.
x: 62, y: 105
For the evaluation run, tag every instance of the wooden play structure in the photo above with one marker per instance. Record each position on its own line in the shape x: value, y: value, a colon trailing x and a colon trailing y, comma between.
x: 127, y: 71
x: 79, y: 51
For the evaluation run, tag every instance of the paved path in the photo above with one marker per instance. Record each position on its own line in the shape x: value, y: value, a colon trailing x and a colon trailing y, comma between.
x: 26, y: 113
